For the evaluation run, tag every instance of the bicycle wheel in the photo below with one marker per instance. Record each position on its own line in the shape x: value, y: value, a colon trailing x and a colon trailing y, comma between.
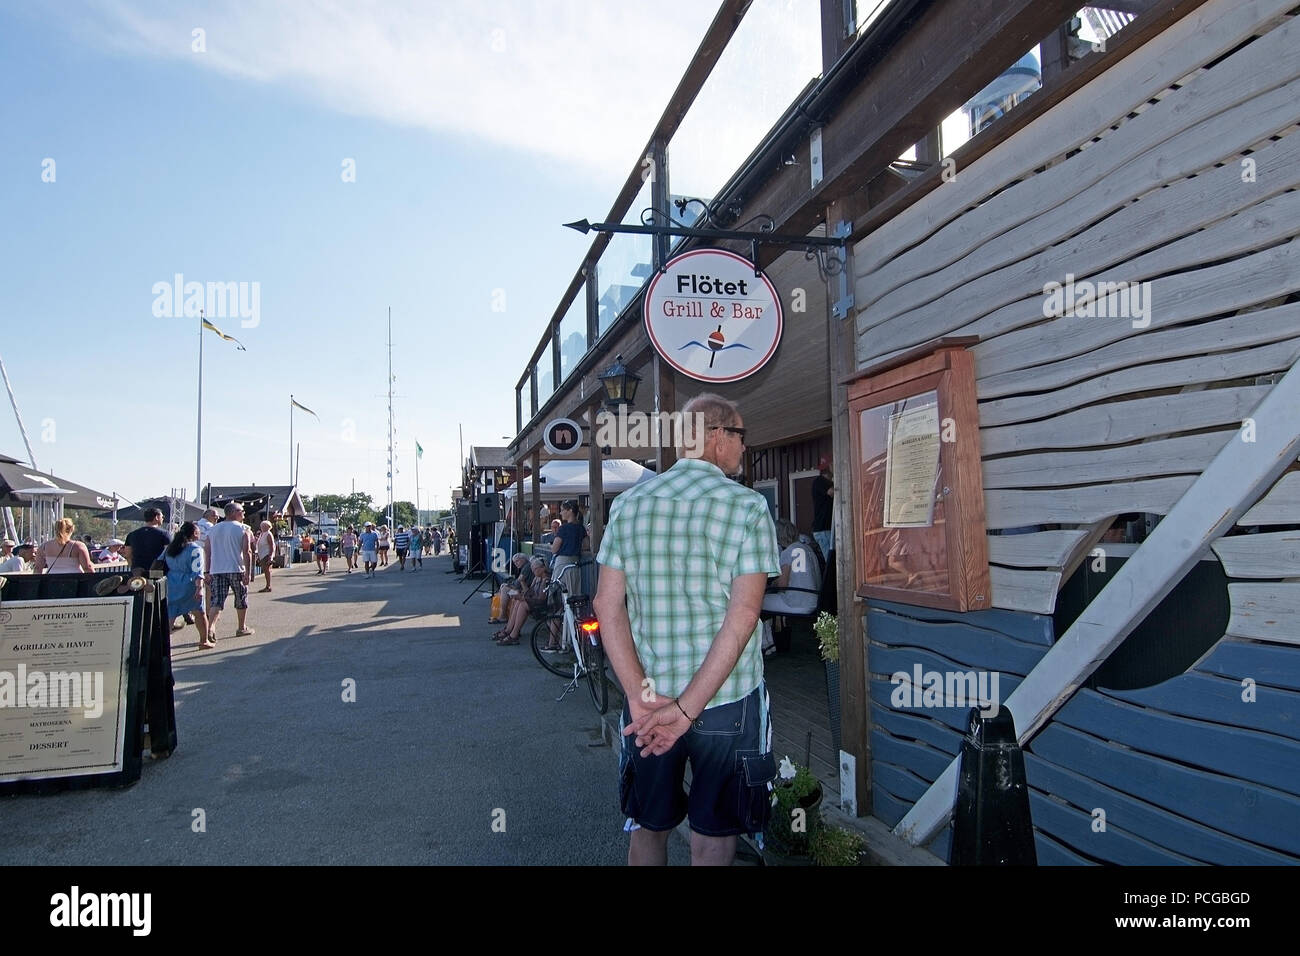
x: 594, y: 656
x: 559, y: 663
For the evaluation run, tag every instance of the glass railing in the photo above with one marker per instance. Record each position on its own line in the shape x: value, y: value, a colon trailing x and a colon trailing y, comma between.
x: 775, y: 51
x: 573, y: 334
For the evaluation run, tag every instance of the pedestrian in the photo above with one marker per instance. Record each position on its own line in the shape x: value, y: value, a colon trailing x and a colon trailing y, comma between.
x: 112, y: 553
x: 436, y: 536
x: 205, y: 523
x: 63, y: 555
x: 322, y: 553
x: 185, y: 595
x: 384, y: 540
x: 228, y: 554
x: 823, y: 491
x: 145, y: 545
x: 349, y: 545
x: 417, y: 549
x: 370, y: 548
x: 685, y: 559
x: 10, y: 563
x: 566, y: 545
x: 265, y: 552
x: 402, y: 544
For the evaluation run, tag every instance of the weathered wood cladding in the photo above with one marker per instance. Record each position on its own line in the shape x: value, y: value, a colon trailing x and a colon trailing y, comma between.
x: 1176, y: 169
x: 1173, y: 175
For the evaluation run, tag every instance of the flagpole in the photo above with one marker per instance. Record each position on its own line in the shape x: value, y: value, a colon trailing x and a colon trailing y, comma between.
x: 198, y: 443
x: 291, y: 440
x: 417, y: 483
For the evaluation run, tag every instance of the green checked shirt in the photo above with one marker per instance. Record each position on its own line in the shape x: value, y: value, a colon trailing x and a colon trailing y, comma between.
x: 681, y: 539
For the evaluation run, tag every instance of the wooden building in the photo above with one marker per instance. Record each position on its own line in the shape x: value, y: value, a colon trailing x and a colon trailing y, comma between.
x: 1117, y: 257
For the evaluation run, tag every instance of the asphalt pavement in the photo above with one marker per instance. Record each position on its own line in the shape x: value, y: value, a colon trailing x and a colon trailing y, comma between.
x: 454, y: 750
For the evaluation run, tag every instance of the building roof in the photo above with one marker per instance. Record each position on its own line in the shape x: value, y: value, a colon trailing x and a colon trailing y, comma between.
x: 489, y: 456
x: 282, y: 497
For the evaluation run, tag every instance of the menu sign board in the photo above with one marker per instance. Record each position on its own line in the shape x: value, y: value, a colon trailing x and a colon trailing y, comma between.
x: 63, y: 687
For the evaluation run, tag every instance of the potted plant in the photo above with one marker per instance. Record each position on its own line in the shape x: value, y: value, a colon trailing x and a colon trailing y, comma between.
x: 796, y: 815
x: 835, y: 846
x: 827, y: 628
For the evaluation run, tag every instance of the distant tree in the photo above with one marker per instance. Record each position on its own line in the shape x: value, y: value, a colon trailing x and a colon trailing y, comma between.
x: 352, y: 509
x: 403, y: 513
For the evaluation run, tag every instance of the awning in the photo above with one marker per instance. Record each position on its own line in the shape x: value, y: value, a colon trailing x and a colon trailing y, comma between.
x: 16, y: 477
x: 190, y: 510
x: 564, y: 479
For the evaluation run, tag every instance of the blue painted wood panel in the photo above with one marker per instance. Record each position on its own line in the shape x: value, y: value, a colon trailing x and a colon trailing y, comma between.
x: 1245, y: 754
x: 1255, y: 813
x: 1277, y: 665
x: 886, y: 807
x: 1149, y: 822
x: 899, y: 781
x: 926, y: 762
x: 952, y: 717
x: 887, y: 661
x: 941, y: 845
x: 971, y: 646
x: 1218, y: 699
x: 1051, y: 853
x: 917, y: 728
x: 1031, y: 628
x: 1113, y: 845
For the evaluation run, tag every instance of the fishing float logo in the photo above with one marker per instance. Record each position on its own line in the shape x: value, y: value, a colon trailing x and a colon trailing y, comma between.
x: 712, y: 316
x: 216, y: 300
x: 1101, y: 300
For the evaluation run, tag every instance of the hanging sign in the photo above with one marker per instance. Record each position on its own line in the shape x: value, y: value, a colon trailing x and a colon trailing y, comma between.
x: 562, y: 436
x: 711, y: 318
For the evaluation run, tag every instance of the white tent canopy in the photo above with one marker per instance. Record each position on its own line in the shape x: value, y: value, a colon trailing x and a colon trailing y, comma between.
x: 566, y: 478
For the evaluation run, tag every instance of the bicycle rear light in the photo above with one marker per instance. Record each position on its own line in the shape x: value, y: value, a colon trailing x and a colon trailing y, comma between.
x: 591, y: 627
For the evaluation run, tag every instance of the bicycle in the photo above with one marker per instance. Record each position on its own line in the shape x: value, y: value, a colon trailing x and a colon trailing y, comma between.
x: 581, y: 654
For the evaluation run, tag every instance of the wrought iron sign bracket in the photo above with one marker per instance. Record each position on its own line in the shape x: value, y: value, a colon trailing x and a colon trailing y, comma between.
x: 827, y: 250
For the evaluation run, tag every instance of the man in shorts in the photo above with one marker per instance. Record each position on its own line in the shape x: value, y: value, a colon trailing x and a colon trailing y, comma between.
x: 370, y: 548
x: 402, y: 542
x: 228, y: 550
x: 685, y: 560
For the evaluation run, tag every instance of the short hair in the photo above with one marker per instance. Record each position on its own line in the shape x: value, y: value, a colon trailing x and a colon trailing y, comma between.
x: 265, y: 526
x: 716, y: 410
x: 539, y: 562
x: 211, y: 511
x: 232, y: 507
x: 150, y: 513
x: 786, y: 533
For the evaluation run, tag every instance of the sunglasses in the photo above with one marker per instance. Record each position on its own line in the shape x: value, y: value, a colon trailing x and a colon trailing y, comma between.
x: 740, y: 432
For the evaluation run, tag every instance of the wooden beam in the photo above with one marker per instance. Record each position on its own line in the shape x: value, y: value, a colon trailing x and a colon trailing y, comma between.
x: 953, y: 50
x: 855, y: 705
x: 1164, y: 14
x: 1237, y: 477
x: 835, y: 34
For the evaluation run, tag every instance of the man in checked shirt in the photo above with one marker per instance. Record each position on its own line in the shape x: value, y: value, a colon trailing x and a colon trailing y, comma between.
x: 684, y: 563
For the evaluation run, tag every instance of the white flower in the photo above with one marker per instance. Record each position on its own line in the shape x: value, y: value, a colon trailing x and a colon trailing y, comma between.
x: 786, y: 771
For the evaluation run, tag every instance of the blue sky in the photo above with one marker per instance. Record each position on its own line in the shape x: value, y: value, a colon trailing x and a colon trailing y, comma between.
x: 476, y: 130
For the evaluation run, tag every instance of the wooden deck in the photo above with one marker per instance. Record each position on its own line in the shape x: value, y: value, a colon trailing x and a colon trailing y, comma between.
x: 796, y: 681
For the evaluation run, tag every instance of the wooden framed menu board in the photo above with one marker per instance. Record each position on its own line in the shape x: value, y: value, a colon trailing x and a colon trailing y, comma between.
x: 918, y: 498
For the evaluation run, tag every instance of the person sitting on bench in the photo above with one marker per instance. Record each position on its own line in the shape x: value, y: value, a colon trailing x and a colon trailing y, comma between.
x: 795, y: 592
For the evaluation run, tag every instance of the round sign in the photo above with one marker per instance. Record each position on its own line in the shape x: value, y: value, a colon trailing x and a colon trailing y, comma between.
x: 562, y: 436
x: 711, y: 318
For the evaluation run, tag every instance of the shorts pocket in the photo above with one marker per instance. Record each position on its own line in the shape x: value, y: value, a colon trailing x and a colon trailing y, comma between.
x: 754, y: 795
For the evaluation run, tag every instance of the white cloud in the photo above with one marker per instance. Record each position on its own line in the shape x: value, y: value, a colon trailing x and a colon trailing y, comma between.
x: 579, y: 82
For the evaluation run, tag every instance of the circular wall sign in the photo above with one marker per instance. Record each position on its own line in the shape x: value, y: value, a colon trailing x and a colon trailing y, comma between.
x: 711, y: 318
x: 562, y: 436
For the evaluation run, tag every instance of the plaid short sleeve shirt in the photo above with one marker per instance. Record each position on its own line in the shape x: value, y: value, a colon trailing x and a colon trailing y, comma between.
x: 681, y: 539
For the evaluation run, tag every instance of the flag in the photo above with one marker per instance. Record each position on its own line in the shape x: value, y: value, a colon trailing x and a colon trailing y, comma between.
x: 229, y: 338
x: 419, y: 452
x: 297, y: 404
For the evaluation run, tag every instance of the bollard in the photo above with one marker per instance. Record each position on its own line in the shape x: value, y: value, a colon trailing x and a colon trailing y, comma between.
x: 991, y: 823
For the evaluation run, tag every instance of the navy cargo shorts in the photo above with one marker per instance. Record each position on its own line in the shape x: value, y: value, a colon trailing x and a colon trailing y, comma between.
x: 729, y: 749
